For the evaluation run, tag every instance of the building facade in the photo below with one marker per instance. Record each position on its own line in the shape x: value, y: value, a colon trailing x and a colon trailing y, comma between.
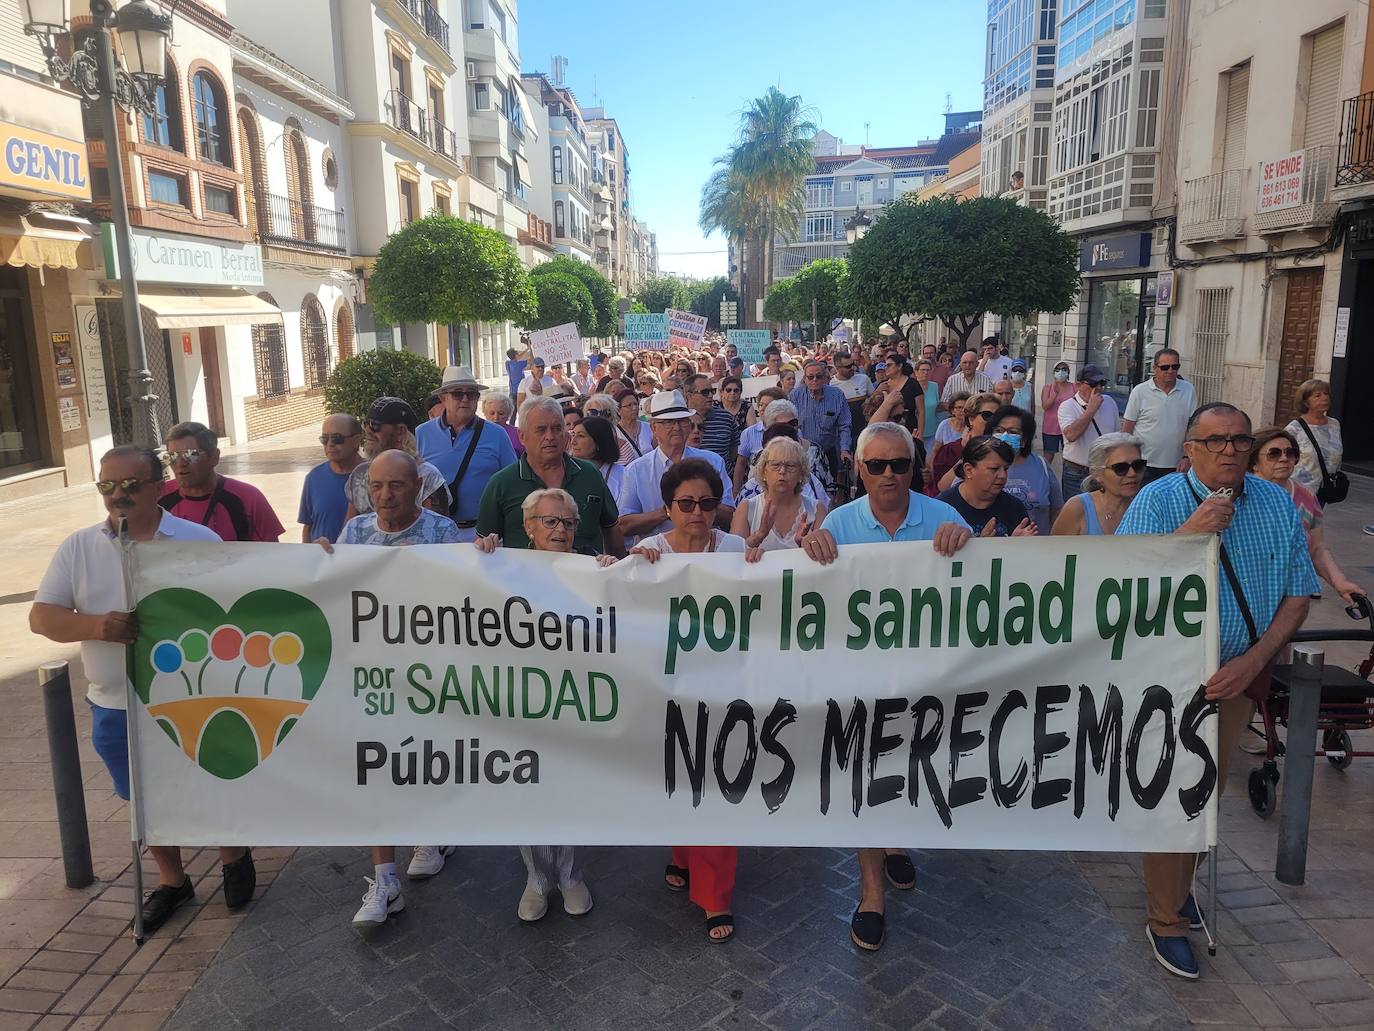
x: 611, y: 207
x: 1018, y: 99
x: 561, y: 166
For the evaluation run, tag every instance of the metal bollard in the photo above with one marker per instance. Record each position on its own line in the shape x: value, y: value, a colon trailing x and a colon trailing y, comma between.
x: 1295, y: 814
x: 66, y: 773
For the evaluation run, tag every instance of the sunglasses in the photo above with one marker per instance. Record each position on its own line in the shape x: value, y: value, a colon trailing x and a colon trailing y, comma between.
x: 878, y: 466
x: 554, y: 522
x: 194, y: 454
x: 731, y: 390
x: 1168, y: 368
x: 1275, y: 453
x: 373, y: 426
x: 128, y: 486
x: 463, y: 395
x: 336, y: 438
x: 705, y: 392
x: 1122, y: 468
x: 691, y: 504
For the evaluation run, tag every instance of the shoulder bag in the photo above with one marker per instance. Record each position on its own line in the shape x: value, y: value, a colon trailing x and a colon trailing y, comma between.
x: 1335, y: 486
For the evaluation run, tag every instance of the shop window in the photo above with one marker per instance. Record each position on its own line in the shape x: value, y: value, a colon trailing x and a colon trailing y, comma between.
x: 212, y: 122
x: 221, y: 201
x: 18, y: 419
x: 163, y: 125
x: 165, y: 188
x: 269, y: 357
x: 314, y: 343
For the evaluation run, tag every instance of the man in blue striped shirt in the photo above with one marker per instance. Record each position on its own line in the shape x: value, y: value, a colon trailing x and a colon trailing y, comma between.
x: 1263, y: 538
x: 719, y: 429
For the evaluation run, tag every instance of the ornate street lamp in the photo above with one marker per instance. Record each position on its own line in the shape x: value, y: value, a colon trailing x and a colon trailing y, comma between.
x: 856, y: 227
x: 95, y: 73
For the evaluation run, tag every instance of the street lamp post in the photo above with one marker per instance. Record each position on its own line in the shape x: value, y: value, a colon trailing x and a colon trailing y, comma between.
x: 856, y: 227
x: 96, y: 74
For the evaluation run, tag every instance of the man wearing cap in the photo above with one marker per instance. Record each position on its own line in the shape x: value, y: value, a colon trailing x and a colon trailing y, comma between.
x: 1083, y: 418
x: 546, y: 465
x: 390, y: 425
x: 536, y: 382
x: 642, y: 511
x: 1157, y: 412
x: 464, y: 447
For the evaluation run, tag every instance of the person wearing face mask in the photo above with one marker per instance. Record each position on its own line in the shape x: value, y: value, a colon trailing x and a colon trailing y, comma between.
x: 1030, y: 479
x: 1022, y: 394
x: 980, y: 497
x: 1052, y: 395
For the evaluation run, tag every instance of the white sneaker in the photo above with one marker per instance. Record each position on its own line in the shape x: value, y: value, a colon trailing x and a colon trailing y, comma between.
x: 383, y: 898
x: 427, y: 861
x: 577, y: 898
x: 533, y: 905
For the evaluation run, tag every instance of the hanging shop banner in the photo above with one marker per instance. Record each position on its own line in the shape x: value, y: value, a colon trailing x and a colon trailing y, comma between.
x: 1027, y: 694
x: 684, y: 328
x: 646, y: 332
x: 557, y: 346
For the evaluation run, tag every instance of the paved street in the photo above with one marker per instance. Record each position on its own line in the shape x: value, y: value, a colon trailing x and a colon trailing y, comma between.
x: 1000, y: 940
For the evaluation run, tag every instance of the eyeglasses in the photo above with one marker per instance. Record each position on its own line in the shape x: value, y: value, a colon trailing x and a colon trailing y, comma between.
x: 336, y: 438
x: 192, y: 455
x: 128, y: 486
x: 731, y: 390
x: 1168, y: 368
x: 815, y: 377
x: 784, y: 467
x: 691, y: 504
x: 554, y: 522
x: 463, y: 395
x: 705, y: 392
x: 878, y: 466
x: 1275, y: 453
x: 1242, y: 443
x: 1122, y: 468
x: 988, y: 414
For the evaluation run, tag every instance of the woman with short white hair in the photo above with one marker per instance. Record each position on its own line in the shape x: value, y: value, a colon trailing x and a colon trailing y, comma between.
x: 782, y: 513
x: 498, y: 409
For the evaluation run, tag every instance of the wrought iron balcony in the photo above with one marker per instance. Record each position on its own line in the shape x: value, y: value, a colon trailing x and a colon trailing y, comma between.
x: 1213, y: 207
x: 406, y: 115
x: 427, y: 16
x: 446, y: 142
x: 296, y: 224
x: 1309, y: 203
x: 1355, y: 155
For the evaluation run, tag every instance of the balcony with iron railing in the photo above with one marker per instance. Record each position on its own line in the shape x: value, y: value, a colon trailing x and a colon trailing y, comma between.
x: 427, y: 16
x: 445, y: 141
x: 404, y: 114
x: 1355, y: 153
x: 1213, y: 207
x: 1298, y: 198
x: 292, y: 223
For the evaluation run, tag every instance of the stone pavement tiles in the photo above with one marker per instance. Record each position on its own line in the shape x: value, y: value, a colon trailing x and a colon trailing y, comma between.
x: 988, y: 940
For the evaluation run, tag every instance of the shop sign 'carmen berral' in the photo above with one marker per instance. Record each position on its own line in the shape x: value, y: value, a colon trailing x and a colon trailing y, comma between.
x: 162, y: 258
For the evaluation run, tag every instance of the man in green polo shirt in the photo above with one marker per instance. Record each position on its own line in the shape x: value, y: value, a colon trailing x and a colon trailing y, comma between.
x: 546, y: 464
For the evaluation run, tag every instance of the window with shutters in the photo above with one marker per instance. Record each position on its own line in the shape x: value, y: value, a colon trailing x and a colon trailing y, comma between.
x: 269, y: 356
x: 1213, y: 331
x: 1235, y: 95
x: 1320, y: 123
x: 314, y: 342
x: 558, y: 165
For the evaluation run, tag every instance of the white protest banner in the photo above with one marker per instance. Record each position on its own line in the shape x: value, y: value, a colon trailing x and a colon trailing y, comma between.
x: 1031, y: 694
x: 749, y: 343
x: 754, y: 384
x: 646, y: 332
x: 841, y: 334
x: 684, y: 328
x: 558, y: 345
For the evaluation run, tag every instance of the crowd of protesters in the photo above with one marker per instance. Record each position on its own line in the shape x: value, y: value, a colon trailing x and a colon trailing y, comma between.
x: 688, y: 452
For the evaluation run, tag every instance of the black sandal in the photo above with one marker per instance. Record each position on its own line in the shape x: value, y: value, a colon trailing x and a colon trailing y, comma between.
x: 900, y: 871
x: 868, y: 930
x: 723, y: 920
x: 676, y: 871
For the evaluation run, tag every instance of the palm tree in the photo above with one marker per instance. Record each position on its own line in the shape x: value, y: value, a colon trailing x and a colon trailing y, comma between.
x: 729, y: 207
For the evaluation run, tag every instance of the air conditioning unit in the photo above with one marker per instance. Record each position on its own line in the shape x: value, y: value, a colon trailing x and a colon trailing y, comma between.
x: 471, y: 70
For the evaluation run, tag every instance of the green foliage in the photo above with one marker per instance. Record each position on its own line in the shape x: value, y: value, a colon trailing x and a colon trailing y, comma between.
x: 639, y: 309
x: 660, y: 294
x: 780, y: 304
x: 704, y: 297
x: 444, y: 270
x: 598, y: 286
x: 562, y: 299
x: 958, y: 260
x: 358, y: 381
x: 826, y: 281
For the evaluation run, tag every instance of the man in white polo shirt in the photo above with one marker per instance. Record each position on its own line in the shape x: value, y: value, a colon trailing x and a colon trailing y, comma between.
x: 82, y: 598
x: 1157, y: 412
x: 1084, y: 417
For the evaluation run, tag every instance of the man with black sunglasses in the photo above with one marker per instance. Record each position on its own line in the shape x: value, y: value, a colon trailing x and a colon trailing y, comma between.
x: 324, y: 497
x: 1157, y: 412
x: 889, y: 511
x: 82, y: 598
x: 1263, y: 597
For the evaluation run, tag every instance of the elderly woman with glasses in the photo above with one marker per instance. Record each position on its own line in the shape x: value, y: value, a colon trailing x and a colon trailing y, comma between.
x: 1116, y: 472
x: 1275, y: 458
x: 784, y: 511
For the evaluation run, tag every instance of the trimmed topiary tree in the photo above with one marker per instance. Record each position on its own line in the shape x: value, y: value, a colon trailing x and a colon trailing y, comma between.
x: 358, y: 381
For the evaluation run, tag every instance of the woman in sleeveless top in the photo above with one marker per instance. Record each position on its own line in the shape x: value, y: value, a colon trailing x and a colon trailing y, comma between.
x: 777, y: 517
x: 1116, y: 473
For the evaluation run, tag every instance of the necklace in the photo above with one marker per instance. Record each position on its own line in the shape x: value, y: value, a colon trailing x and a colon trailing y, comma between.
x: 1108, y: 516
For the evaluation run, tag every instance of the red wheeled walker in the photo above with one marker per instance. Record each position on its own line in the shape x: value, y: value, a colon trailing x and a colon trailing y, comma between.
x: 1347, y: 704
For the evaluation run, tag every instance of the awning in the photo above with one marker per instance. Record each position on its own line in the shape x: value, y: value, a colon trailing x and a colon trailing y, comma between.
x: 522, y: 169
x: 25, y: 240
x: 531, y: 130
x: 182, y: 308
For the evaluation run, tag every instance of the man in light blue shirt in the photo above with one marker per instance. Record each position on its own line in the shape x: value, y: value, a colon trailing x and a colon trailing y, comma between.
x: 447, y: 443
x: 823, y: 413
x: 890, y: 511
x: 642, y: 511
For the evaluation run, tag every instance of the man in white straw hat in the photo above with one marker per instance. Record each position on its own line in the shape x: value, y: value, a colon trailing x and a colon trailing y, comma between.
x: 641, y: 499
x: 463, y: 446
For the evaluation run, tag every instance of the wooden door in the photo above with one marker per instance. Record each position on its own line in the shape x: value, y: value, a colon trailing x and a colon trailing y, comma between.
x: 1298, y: 347
x: 214, y: 399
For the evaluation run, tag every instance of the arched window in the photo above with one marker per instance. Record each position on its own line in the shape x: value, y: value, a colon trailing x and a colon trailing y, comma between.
x: 343, y: 330
x: 314, y: 342
x: 163, y: 126
x: 212, y: 120
x: 269, y: 357
x: 250, y: 158
x: 298, y: 190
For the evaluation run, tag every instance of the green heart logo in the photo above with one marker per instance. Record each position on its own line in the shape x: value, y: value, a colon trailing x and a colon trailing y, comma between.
x: 227, y: 687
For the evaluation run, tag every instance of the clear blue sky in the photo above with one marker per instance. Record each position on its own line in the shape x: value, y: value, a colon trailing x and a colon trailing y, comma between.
x: 675, y: 75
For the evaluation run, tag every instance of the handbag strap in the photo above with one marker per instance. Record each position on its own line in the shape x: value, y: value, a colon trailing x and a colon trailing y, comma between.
x: 1321, y: 459
x: 478, y: 425
x: 1234, y: 581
